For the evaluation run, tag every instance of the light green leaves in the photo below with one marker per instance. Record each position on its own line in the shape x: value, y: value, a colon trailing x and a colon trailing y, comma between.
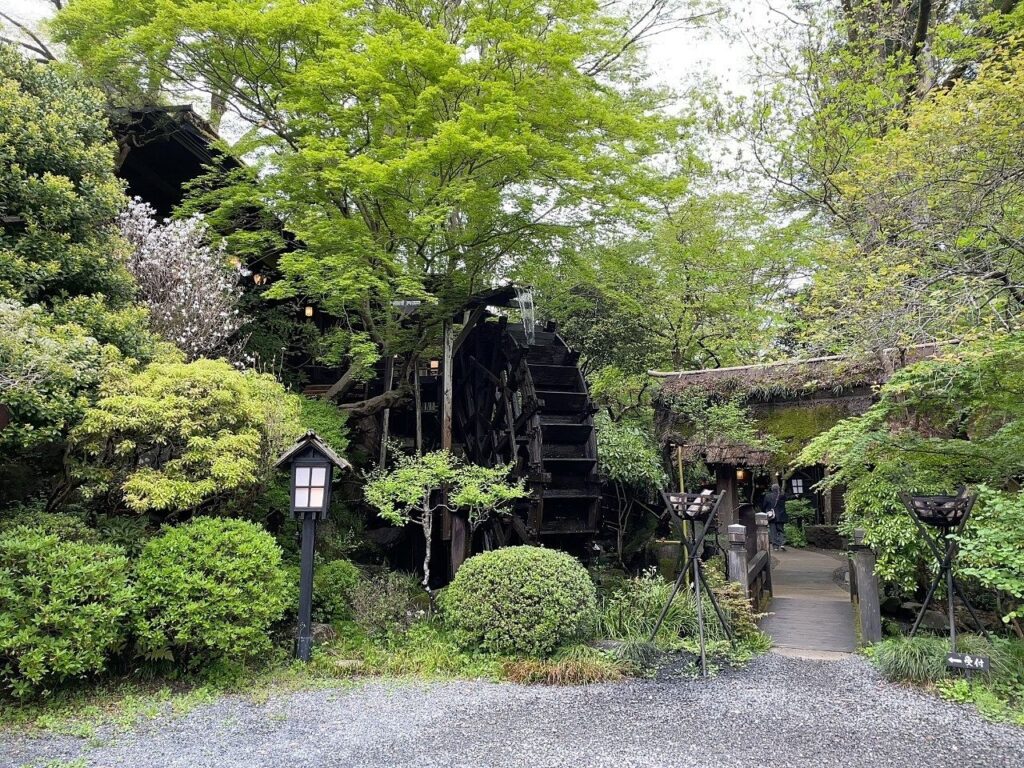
x: 405, y: 491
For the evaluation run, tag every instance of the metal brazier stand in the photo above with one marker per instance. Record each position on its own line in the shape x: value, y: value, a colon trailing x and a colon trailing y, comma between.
x: 941, y: 519
x: 311, y: 463
x: 702, y: 509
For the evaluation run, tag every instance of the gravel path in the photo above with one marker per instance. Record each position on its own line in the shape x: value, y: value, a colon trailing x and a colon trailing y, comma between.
x: 777, y: 712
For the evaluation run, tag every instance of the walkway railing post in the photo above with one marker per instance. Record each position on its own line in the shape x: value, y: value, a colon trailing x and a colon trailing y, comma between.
x: 863, y: 559
x: 764, y: 545
x: 736, y: 557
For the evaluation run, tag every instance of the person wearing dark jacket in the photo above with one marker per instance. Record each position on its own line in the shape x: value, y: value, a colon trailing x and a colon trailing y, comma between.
x: 774, y: 503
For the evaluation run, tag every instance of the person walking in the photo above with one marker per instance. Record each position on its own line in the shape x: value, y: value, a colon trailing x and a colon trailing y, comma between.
x: 773, y: 503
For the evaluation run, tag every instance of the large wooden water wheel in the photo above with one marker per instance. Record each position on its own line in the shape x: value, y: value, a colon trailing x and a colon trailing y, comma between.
x: 524, y: 402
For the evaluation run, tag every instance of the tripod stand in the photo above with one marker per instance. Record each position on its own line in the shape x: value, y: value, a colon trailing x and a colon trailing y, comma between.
x: 947, y: 514
x: 702, y: 509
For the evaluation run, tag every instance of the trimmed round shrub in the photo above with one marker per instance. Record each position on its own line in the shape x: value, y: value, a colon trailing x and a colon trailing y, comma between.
x: 209, y: 589
x: 64, y: 608
x: 520, y: 601
x: 333, y: 583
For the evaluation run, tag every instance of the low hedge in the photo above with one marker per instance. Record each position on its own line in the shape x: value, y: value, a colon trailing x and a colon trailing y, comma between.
x: 64, y: 608
x: 520, y: 601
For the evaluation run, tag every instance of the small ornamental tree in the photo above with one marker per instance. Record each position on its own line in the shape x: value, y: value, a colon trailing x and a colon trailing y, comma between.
x: 190, y: 289
x: 630, y: 460
x: 408, y: 492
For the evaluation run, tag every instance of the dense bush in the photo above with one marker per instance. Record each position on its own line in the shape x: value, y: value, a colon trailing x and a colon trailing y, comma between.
x: 520, y: 600
x: 63, y: 608
x: 333, y: 583
x: 211, y: 588
x: 174, y: 435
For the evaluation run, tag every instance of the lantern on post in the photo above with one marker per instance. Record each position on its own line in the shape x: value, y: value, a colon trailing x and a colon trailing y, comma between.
x: 311, y: 463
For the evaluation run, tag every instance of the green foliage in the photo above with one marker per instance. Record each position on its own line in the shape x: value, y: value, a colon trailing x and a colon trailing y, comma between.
x: 398, y: 494
x: 67, y: 527
x: 998, y: 694
x: 954, y: 420
x: 327, y: 420
x: 920, y: 659
x: 47, y: 371
x: 64, y: 608
x: 405, y: 492
x: 795, y: 536
x: 209, y: 589
x: 631, y: 612
x: 736, y: 605
x: 174, y: 435
x: 128, y: 533
x: 697, y: 287
x: 57, y: 189
x: 992, y: 550
x: 333, y: 584
x: 706, y: 419
x: 520, y: 601
x: 426, y: 649
x: 384, y: 605
x: 628, y: 454
x: 800, y: 511
x: 447, y: 141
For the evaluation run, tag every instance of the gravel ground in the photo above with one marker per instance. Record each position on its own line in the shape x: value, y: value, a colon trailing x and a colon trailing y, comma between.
x: 776, y: 712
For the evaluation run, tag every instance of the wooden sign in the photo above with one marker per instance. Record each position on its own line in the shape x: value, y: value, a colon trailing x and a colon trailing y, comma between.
x: 967, y: 661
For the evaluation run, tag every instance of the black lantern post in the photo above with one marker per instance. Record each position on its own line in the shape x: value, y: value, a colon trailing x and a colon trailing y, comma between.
x: 312, y: 464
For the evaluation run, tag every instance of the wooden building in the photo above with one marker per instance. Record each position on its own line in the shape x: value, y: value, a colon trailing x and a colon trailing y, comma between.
x: 791, y: 401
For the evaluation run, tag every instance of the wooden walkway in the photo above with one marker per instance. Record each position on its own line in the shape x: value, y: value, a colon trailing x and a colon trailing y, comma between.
x: 810, y: 615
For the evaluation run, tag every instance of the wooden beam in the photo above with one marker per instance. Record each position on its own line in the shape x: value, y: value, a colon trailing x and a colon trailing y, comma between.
x: 418, y: 399
x: 446, y: 388
x: 471, y: 321
x: 385, y: 421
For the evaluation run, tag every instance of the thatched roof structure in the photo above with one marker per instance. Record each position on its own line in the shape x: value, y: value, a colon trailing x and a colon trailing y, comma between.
x: 792, y: 379
x: 790, y: 400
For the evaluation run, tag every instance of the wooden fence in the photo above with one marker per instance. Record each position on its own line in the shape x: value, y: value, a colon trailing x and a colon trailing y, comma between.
x: 751, y: 567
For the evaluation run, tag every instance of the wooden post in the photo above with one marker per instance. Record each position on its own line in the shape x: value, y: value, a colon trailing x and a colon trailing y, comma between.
x: 305, y: 642
x: 389, y: 378
x: 418, y: 400
x: 457, y: 522
x: 736, y: 557
x: 446, y: 389
x: 764, y: 545
x: 679, y: 465
x: 867, y: 589
x: 685, y: 525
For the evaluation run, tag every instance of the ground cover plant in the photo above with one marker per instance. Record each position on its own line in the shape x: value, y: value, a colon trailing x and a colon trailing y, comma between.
x: 998, y: 694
